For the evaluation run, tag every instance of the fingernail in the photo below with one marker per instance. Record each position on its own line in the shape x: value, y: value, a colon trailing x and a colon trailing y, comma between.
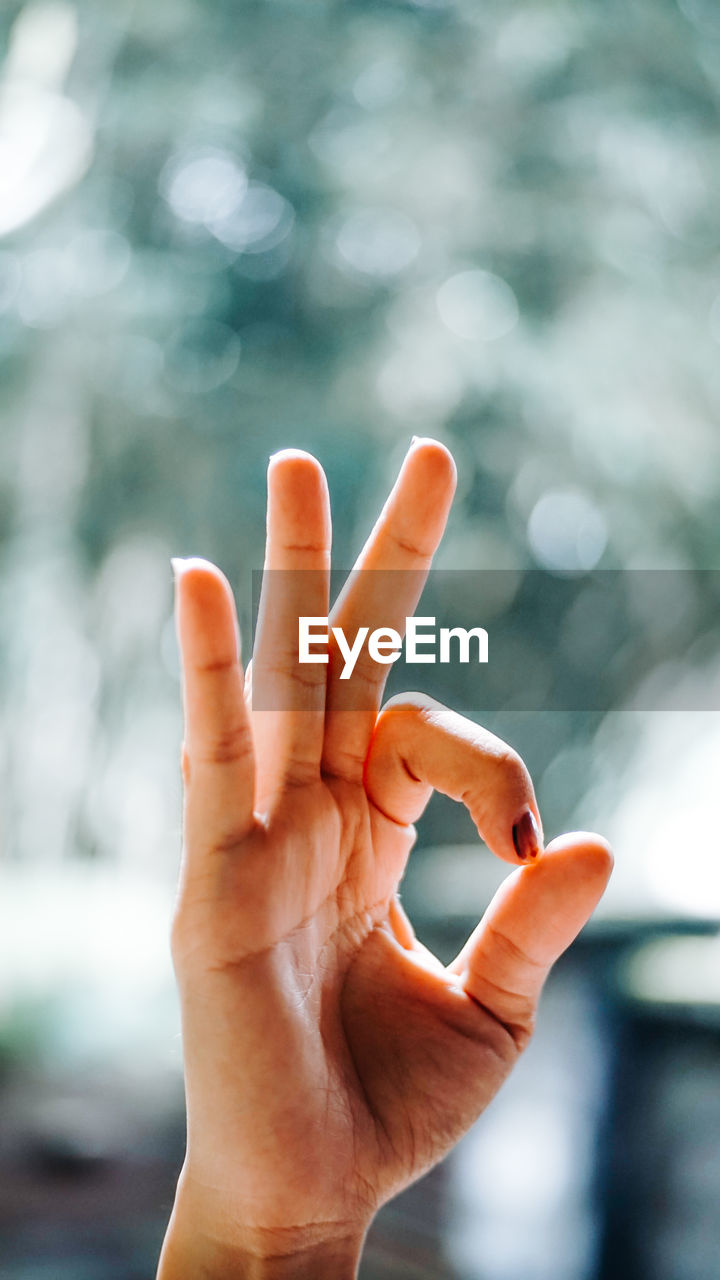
x: 178, y: 566
x: 413, y: 440
x: 526, y: 836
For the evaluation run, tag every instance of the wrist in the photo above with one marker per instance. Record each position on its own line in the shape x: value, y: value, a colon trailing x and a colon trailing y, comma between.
x: 199, y: 1247
x: 193, y: 1260
x: 186, y: 1256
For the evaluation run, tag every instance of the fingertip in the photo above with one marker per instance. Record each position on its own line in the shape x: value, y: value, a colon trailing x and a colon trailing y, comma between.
x: 183, y: 565
x: 511, y: 825
x: 291, y: 453
x: 199, y: 579
x: 295, y: 464
x: 586, y: 846
x: 298, y: 513
x: 527, y: 837
x: 434, y: 457
x: 204, y: 609
x: 582, y: 857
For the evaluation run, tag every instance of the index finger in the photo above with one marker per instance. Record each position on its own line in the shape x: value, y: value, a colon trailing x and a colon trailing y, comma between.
x: 418, y: 746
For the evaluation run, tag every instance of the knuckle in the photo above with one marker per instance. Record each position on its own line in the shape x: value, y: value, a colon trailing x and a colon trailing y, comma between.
x: 365, y: 673
x: 285, y: 667
x: 413, y: 700
x: 311, y: 681
x: 513, y: 769
x: 227, y: 746
x: 404, y: 710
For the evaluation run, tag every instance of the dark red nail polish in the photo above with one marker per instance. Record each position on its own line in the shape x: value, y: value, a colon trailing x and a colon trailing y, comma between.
x: 526, y: 836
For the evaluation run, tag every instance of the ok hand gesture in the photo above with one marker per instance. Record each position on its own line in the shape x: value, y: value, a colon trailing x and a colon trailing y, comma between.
x: 330, y: 1058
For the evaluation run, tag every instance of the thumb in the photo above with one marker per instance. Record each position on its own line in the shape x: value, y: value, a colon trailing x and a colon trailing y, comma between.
x: 533, y: 918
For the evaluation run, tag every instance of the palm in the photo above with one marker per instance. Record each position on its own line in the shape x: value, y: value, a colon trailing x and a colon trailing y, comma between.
x: 323, y: 971
x: 329, y: 1058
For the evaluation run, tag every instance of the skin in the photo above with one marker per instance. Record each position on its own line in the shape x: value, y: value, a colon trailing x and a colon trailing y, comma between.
x: 330, y: 1059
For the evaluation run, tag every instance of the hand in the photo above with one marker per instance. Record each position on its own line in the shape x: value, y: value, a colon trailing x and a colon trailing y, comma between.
x: 330, y: 1058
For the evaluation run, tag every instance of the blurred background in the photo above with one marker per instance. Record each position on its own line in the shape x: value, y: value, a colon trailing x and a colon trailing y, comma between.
x: 226, y: 228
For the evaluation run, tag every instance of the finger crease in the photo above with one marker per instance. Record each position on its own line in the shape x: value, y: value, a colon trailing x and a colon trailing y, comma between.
x: 413, y: 777
x: 411, y: 548
x: 518, y: 1033
x: 398, y: 822
x: 303, y: 546
x: 219, y: 665
x: 512, y: 949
